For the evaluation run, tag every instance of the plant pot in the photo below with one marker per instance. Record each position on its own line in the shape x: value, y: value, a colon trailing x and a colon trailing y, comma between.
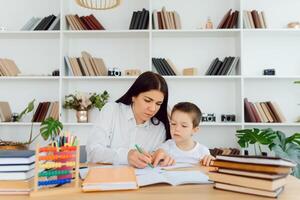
x: 82, y: 116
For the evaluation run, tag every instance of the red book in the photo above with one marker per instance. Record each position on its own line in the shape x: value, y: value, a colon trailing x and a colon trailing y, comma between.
x: 249, y: 116
x: 96, y: 22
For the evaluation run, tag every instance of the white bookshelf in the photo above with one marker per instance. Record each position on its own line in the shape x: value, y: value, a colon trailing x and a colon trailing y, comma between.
x: 38, y: 53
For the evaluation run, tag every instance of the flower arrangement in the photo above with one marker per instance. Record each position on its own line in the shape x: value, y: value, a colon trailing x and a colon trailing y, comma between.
x: 85, y: 101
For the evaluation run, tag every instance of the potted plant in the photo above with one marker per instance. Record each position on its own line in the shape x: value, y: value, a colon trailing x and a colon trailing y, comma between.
x: 255, y: 137
x: 83, y: 102
x: 288, y: 148
x: 49, y: 128
x: 10, y: 145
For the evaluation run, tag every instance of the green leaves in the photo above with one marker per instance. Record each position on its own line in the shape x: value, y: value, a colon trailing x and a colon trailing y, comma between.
x: 99, y: 100
x: 50, y: 128
x: 86, y: 101
x: 28, y: 109
x: 253, y: 136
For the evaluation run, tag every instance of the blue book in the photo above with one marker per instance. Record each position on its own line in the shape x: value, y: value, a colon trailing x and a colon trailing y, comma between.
x: 8, y: 157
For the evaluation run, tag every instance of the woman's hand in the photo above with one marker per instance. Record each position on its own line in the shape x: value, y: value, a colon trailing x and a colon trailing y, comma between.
x: 205, y: 161
x: 160, y: 157
x: 137, y: 159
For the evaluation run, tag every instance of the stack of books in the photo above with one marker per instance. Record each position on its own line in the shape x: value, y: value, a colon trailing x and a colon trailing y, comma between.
x: 16, y: 171
x: 264, y: 176
x: 266, y: 112
x: 84, y: 22
x: 50, y: 22
x: 164, y: 67
x: 230, y: 20
x: 8, y: 67
x: 139, y: 19
x: 5, y: 112
x: 254, y: 19
x: 45, y: 110
x: 166, y: 19
x: 221, y: 68
x: 86, y: 65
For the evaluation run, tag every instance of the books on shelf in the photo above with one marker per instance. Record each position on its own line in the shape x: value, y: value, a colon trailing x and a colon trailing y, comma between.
x: 222, y: 68
x: 45, y: 110
x: 8, y: 67
x: 229, y: 20
x: 164, y: 66
x: 266, y: 112
x: 265, y: 176
x: 89, y: 22
x: 224, y: 151
x: 166, y: 19
x: 50, y: 22
x: 139, y: 19
x: 5, y: 112
x: 85, y: 65
x: 254, y: 19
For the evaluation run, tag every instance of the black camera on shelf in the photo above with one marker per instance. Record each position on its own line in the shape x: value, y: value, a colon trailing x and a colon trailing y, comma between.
x: 55, y: 72
x: 269, y: 72
x: 209, y: 117
x: 114, y: 72
x: 227, y: 118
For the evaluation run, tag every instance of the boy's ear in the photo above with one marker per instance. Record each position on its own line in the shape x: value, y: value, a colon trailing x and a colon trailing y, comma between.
x: 196, y: 129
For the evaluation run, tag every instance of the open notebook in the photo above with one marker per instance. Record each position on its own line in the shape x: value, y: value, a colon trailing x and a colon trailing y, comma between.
x: 173, y: 178
x: 125, y: 178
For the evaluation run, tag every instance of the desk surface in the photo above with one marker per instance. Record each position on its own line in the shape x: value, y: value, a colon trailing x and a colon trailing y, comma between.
x: 291, y: 191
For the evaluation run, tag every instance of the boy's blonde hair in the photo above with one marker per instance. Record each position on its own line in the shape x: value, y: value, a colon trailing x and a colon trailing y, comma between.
x: 189, y: 108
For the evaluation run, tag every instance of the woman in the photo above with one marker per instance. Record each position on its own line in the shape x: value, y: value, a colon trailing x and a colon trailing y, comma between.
x: 140, y: 118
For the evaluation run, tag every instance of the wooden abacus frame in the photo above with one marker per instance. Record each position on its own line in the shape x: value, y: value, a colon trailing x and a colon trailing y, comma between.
x: 68, y: 187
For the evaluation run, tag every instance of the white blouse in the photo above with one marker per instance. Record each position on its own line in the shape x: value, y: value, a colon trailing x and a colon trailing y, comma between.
x: 115, y: 133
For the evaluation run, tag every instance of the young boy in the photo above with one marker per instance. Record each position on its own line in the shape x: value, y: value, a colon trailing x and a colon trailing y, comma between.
x: 184, y: 123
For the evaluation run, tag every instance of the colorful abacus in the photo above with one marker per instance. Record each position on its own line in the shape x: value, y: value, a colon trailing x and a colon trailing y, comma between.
x: 56, y: 165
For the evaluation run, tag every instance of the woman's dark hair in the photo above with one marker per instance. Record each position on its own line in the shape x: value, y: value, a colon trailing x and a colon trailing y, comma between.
x: 145, y: 82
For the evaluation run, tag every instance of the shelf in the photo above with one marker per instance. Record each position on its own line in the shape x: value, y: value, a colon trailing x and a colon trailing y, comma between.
x: 220, y: 124
x: 271, y: 77
x: 202, y: 77
x: 272, y: 124
x: 99, y: 78
x: 29, y: 34
x: 106, y: 33
x: 197, y: 33
x: 77, y: 124
x: 42, y: 78
x: 274, y: 32
x: 19, y: 124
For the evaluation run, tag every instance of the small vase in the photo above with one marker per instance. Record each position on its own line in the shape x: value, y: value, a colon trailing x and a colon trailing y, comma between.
x: 82, y: 116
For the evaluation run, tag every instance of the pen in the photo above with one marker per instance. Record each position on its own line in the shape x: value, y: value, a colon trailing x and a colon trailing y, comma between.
x: 141, y: 151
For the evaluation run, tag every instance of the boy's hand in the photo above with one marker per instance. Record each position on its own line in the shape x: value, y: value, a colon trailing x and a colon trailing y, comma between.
x: 206, y: 160
x: 162, y: 158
